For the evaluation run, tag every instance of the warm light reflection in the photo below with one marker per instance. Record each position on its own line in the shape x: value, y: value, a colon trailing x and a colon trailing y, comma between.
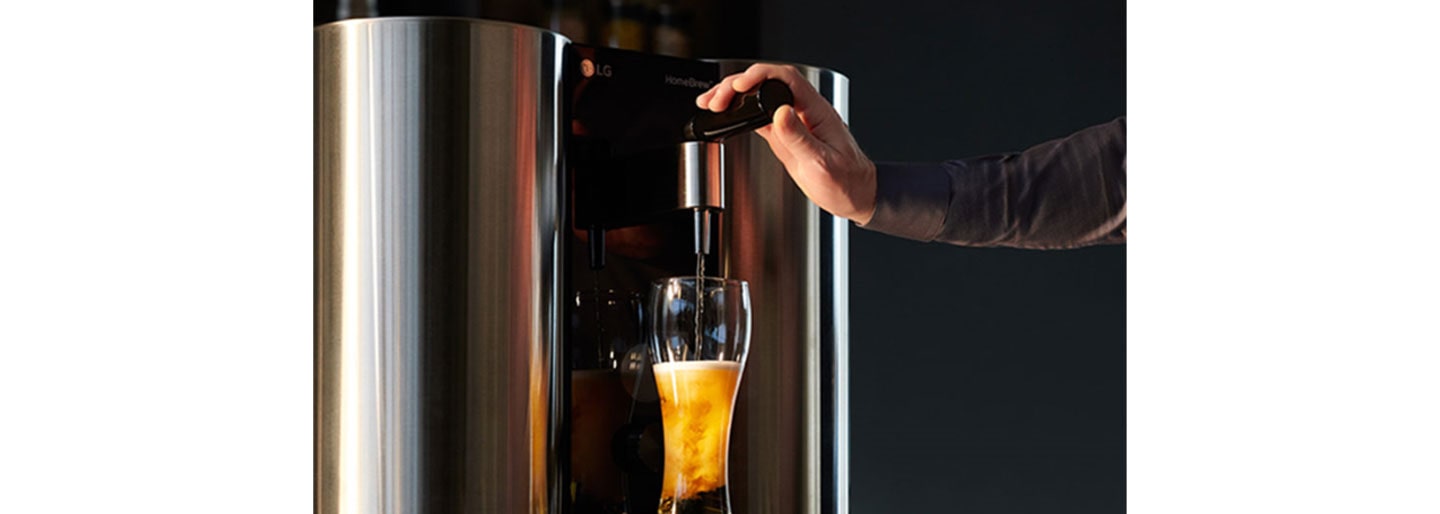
x: 599, y: 404
x: 351, y: 420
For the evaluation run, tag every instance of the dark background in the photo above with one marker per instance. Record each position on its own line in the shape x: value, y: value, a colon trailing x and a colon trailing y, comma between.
x: 983, y: 380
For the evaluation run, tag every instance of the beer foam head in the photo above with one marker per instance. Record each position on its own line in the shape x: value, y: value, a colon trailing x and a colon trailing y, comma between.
x: 697, y: 366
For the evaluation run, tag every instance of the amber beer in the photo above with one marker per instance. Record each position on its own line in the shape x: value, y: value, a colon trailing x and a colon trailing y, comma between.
x: 696, y: 402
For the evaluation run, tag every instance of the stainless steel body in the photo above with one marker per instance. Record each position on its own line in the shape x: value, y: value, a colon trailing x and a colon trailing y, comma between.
x: 790, y: 442
x: 702, y: 175
x: 440, y: 229
x: 437, y: 224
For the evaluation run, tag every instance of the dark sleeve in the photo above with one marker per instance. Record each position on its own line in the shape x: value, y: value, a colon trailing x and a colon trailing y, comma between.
x: 1064, y: 193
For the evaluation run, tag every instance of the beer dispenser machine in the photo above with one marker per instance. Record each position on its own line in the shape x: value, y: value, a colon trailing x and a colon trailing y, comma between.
x: 491, y: 203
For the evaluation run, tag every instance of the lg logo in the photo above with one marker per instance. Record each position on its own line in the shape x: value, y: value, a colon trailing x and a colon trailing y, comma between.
x: 588, y: 69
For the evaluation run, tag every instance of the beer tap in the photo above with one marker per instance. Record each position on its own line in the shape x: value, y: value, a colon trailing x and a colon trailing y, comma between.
x: 614, y: 201
x: 747, y: 112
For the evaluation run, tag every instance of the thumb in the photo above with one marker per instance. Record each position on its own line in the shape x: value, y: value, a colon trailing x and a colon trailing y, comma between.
x: 790, y: 132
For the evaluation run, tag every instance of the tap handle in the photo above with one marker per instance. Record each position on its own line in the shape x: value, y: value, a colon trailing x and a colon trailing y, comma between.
x: 747, y: 112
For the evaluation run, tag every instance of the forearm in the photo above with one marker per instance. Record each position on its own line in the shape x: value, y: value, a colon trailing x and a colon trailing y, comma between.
x: 1064, y: 193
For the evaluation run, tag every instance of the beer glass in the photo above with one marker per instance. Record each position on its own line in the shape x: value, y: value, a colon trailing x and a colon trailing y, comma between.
x: 700, y: 331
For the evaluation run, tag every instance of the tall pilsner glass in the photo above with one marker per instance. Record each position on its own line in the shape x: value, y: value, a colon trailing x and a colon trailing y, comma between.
x: 700, y: 332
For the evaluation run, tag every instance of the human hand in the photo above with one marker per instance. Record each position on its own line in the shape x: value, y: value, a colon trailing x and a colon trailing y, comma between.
x: 811, y: 141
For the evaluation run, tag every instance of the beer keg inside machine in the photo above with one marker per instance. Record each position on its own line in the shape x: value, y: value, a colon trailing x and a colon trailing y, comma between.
x: 492, y: 206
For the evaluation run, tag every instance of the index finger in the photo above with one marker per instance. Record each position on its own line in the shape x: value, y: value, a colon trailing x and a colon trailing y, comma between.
x: 805, y: 94
x: 718, y: 98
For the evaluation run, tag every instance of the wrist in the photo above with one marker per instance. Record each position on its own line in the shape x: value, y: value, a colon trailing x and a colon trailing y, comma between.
x: 865, y: 194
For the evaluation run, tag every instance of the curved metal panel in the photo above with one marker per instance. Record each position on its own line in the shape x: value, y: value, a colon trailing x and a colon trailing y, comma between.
x: 790, y: 446
x: 437, y: 214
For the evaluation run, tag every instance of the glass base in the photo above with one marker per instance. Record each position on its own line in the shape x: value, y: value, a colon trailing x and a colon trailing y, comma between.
x: 714, y: 501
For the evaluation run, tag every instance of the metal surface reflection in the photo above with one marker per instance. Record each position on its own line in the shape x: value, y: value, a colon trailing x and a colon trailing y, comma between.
x: 790, y: 446
x: 436, y: 237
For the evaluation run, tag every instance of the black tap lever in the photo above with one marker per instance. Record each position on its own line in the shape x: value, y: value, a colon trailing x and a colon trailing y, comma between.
x: 749, y: 111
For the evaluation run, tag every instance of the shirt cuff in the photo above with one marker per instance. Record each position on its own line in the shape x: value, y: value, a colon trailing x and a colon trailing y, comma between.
x: 911, y: 200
